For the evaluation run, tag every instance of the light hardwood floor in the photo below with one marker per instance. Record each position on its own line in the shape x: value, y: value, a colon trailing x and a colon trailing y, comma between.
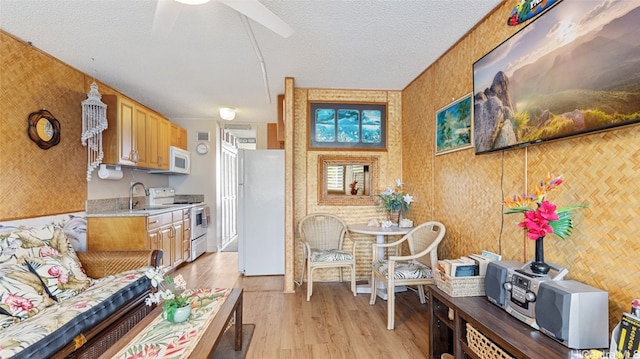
x: 334, y: 324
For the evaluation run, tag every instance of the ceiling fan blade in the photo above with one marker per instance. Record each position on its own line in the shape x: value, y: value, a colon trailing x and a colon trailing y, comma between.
x: 254, y: 10
x: 167, y: 12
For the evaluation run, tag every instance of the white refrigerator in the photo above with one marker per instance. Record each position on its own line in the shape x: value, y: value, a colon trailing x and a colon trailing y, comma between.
x: 261, y: 212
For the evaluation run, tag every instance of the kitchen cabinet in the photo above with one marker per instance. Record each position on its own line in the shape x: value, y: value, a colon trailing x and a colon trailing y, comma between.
x: 159, y: 235
x: 177, y: 243
x: 141, y: 137
x: 158, y: 141
x: 280, y: 132
x: 136, y: 136
x: 178, y: 136
x: 272, y: 137
x: 186, y: 234
x: 165, y: 231
x: 119, y: 139
x: 163, y: 143
x: 450, y: 318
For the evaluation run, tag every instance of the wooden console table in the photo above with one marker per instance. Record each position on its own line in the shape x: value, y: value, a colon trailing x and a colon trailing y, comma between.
x: 514, y: 337
x: 200, y: 338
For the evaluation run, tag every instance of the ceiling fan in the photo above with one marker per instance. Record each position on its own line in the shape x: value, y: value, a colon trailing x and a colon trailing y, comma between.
x: 167, y: 12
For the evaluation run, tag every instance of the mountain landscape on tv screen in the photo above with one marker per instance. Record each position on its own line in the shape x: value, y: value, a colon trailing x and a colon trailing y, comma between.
x: 589, y: 84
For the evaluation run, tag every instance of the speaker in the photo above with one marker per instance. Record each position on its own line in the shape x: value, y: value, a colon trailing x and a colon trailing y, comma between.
x: 498, y: 273
x: 573, y: 313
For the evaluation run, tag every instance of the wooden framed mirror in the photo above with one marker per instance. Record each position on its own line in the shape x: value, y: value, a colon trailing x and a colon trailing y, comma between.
x: 43, y: 129
x: 347, y: 180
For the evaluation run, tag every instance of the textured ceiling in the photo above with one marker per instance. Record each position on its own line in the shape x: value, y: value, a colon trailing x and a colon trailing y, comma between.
x: 206, y: 60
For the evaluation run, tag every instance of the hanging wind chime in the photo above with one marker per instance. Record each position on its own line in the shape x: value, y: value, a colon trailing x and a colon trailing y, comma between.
x: 94, y: 121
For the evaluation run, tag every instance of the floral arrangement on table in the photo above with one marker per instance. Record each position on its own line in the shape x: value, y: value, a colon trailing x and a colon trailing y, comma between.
x: 395, y: 198
x: 546, y: 217
x: 168, y: 289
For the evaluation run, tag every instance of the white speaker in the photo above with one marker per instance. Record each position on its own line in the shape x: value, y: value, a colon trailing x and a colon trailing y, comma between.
x: 573, y: 313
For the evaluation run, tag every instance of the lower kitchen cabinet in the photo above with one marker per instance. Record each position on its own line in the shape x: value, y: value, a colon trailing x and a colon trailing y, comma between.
x: 165, y: 231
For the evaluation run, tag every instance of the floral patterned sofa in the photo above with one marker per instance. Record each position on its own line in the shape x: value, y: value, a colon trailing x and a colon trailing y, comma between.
x: 56, y: 302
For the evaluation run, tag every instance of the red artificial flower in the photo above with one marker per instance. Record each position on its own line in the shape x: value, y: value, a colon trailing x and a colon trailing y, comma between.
x: 547, y: 210
x: 537, y: 222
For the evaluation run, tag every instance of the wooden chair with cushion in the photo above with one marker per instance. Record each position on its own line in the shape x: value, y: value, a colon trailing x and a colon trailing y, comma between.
x: 322, y: 237
x: 413, y: 269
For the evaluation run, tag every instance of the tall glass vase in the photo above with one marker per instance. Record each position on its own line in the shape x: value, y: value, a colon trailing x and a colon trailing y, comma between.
x: 393, y: 215
x: 539, y: 266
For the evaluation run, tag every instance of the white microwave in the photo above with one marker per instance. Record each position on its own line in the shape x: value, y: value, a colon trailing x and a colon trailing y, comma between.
x: 179, y: 162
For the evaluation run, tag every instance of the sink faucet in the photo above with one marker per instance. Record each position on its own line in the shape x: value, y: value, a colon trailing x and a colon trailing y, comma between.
x: 146, y: 193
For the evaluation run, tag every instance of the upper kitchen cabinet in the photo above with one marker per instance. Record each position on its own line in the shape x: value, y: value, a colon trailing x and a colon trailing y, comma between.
x: 136, y: 136
x: 120, y: 140
x: 178, y: 136
x: 158, y: 141
x: 141, y: 137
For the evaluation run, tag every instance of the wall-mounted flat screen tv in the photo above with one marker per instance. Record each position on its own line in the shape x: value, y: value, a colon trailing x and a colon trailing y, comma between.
x: 573, y: 70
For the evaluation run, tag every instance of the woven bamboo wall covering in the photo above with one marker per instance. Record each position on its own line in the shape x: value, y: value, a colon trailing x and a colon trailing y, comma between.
x: 306, y: 168
x: 36, y: 182
x: 466, y: 191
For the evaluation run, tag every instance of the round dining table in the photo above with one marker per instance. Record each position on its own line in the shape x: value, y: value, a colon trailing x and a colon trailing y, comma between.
x: 380, y: 233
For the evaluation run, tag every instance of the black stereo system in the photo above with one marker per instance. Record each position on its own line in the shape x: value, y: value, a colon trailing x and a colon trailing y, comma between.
x: 572, y: 313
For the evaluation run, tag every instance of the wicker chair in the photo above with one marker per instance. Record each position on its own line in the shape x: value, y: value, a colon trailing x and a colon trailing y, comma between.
x: 413, y: 269
x: 322, y: 237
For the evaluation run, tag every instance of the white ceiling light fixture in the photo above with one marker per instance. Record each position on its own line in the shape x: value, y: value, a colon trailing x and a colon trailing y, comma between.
x: 227, y: 113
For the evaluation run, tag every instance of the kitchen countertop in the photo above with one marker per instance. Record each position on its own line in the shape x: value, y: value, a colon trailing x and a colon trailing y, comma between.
x: 140, y: 212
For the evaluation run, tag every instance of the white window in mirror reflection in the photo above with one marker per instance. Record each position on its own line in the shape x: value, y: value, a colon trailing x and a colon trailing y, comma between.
x: 346, y: 179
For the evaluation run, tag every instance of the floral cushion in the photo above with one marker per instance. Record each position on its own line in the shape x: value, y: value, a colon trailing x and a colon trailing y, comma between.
x: 5, y: 321
x: 404, y: 269
x: 58, y: 276
x: 329, y: 255
x: 57, y: 325
x: 21, y: 293
x: 46, y: 241
x: 48, y: 253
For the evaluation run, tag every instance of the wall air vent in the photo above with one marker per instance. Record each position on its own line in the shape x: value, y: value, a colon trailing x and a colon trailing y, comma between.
x: 203, y: 135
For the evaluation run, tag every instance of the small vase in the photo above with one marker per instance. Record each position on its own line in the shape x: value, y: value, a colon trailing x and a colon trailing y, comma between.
x: 394, y: 216
x: 539, y: 266
x: 177, y: 315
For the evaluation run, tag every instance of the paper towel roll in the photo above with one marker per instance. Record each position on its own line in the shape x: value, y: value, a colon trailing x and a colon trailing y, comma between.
x: 107, y: 174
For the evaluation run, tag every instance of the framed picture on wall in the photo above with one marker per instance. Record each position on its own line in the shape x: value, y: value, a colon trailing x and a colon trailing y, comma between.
x: 343, y: 126
x: 454, y: 126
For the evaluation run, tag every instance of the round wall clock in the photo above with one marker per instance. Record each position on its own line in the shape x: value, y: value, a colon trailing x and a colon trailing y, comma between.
x: 202, y: 148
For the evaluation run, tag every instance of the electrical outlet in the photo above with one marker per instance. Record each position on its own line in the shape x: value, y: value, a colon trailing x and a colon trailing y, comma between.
x: 135, y: 189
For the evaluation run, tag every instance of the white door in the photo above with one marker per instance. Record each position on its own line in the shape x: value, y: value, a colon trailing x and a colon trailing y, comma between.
x: 228, y: 192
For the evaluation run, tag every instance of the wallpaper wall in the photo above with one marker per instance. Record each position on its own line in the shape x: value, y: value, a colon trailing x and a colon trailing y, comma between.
x: 36, y: 182
x: 465, y: 191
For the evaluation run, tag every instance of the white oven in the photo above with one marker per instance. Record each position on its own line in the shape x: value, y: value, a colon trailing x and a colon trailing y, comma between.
x: 199, y: 224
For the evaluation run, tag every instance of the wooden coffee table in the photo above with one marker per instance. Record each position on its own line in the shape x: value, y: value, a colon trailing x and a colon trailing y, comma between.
x: 206, y: 341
